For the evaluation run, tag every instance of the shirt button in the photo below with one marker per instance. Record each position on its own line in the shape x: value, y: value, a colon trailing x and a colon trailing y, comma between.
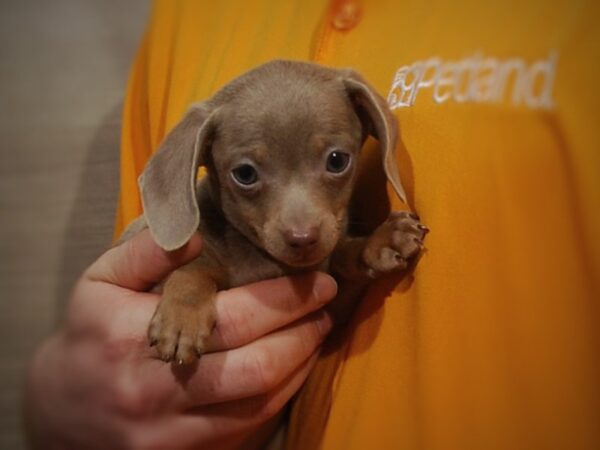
x: 346, y: 16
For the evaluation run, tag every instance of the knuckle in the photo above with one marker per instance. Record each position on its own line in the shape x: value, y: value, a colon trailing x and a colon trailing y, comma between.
x: 83, y: 315
x: 233, y: 327
x: 133, y: 256
x: 130, y: 254
x: 126, y: 394
x: 115, y: 350
x: 138, y: 258
x: 128, y: 399
x: 261, y: 369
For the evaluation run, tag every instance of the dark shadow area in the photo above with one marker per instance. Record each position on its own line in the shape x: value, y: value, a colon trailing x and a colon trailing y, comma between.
x: 91, y: 222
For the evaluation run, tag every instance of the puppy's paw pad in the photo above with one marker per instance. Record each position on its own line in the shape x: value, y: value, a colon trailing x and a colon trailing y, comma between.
x: 408, y: 223
x: 394, y: 244
x: 388, y: 261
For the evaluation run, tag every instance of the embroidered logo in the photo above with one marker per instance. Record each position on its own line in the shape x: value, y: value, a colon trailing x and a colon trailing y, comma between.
x: 478, y: 79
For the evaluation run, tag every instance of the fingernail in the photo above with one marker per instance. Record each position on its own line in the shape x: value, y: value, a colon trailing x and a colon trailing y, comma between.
x: 423, y: 228
x: 325, y: 288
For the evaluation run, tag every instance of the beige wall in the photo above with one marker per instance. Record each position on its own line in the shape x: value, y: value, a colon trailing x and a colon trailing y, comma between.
x: 63, y: 71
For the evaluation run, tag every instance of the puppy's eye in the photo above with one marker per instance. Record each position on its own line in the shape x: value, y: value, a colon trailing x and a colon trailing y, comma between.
x: 337, y: 161
x: 245, y: 174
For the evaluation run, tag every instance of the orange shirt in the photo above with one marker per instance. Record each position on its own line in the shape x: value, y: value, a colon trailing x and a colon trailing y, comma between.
x: 494, y: 343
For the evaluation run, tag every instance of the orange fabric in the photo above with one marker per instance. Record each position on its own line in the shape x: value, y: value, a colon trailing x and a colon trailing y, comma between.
x: 494, y: 343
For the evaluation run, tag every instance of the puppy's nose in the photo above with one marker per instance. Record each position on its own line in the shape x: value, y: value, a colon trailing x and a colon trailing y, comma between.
x: 301, y: 238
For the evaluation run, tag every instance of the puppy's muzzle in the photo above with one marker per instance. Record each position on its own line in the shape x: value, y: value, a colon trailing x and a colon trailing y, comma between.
x: 302, y: 245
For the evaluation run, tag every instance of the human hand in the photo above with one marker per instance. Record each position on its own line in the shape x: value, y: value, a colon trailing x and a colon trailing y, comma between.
x: 96, y: 384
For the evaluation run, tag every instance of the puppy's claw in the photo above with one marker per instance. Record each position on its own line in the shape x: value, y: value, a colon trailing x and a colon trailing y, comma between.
x: 396, y: 243
x: 179, y: 330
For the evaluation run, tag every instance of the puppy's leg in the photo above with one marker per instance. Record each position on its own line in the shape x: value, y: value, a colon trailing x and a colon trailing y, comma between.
x: 185, y: 316
x: 357, y: 261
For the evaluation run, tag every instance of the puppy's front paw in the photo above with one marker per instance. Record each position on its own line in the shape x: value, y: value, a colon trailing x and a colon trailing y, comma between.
x: 179, y: 330
x: 394, y: 244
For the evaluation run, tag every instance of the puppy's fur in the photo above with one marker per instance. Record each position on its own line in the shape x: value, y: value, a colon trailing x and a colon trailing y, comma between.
x: 280, y: 145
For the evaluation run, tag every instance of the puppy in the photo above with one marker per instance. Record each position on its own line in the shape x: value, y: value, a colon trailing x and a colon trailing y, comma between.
x: 280, y: 145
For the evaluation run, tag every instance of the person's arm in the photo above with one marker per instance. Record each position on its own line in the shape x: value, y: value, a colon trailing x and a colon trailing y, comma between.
x: 96, y: 384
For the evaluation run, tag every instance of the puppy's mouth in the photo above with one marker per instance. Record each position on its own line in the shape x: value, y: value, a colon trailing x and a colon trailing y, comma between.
x: 298, y: 257
x: 303, y: 257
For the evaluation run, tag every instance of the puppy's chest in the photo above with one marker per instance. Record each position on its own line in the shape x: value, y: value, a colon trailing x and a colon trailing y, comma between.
x: 244, y: 263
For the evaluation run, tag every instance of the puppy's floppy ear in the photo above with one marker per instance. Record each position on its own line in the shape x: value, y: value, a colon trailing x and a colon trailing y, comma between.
x: 381, y: 123
x: 168, y: 183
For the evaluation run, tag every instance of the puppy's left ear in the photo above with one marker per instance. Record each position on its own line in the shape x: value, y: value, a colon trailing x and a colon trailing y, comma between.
x: 168, y: 183
x: 381, y: 124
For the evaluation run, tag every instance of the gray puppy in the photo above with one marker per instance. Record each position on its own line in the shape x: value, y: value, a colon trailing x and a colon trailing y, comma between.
x: 281, y: 145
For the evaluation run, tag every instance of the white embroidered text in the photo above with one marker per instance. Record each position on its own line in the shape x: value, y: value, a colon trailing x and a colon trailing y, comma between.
x: 477, y: 79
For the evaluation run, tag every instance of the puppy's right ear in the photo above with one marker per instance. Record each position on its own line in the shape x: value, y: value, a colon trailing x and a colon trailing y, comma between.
x: 382, y: 124
x: 168, y: 183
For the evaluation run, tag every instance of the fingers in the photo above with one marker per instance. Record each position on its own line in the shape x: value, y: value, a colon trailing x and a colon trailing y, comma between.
x: 247, y: 313
x: 251, y: 370
x: 215, y: 423
x: 255, y: 410
x: 112, y: 313
x: 243, y: 314
x: 139, y: 263
x: 256, y: 365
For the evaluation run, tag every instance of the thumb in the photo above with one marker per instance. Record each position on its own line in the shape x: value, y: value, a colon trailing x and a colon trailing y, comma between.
x: 139, y: 263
